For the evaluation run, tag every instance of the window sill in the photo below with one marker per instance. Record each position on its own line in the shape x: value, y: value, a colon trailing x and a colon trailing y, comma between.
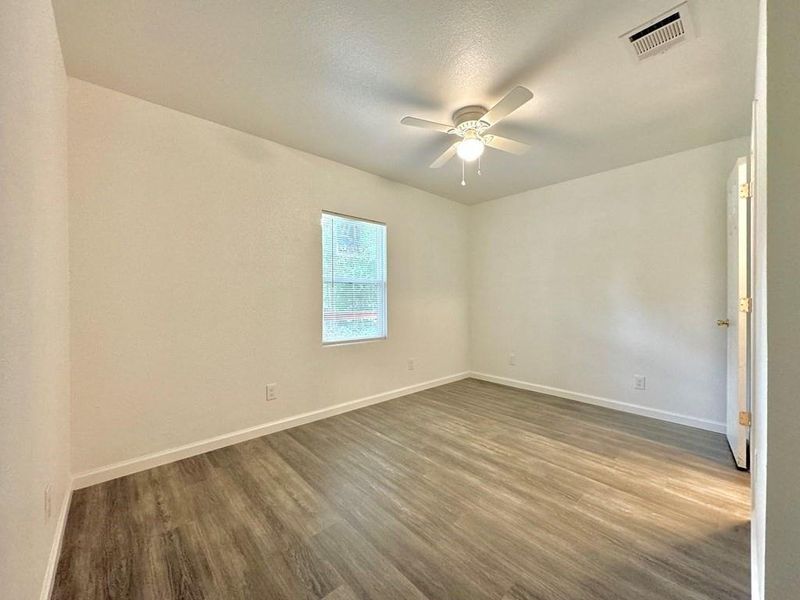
x: 353, y: 342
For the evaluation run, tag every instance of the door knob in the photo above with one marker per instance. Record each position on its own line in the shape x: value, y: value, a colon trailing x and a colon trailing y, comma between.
x: 723, y: 322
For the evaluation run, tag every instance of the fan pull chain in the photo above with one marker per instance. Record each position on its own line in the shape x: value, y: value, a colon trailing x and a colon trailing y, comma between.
x: 479, y: 166
x: 463, y: 180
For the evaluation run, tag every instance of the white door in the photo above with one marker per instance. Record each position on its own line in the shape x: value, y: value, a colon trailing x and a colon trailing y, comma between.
x: 738, y: 318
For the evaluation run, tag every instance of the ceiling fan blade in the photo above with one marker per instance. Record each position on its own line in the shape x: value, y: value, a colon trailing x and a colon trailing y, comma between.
x: 445, y: 156
x: 415, y: 122
x: 512, y: 101
x: 506, y: 145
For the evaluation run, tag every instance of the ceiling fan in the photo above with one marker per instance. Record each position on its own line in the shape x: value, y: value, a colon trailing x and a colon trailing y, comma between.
x: 471, y: 124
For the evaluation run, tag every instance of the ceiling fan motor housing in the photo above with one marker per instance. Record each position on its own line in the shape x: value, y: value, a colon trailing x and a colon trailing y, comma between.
x: 469, y: 117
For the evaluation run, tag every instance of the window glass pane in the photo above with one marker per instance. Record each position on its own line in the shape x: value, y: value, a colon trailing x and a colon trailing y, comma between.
x: 353, y: 279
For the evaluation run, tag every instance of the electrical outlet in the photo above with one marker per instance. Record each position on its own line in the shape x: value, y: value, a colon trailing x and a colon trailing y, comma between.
x: 272, y: 392
x: 48, y: 503
x: 512, y: 359
x: 411, y: 364
x: 639, y: 382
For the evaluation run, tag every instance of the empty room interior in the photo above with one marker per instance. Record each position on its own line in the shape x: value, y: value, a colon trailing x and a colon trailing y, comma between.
x: 341, y: 300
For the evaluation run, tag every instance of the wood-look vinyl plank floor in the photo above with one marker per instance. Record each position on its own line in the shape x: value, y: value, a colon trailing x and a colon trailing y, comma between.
x: 466, y: 491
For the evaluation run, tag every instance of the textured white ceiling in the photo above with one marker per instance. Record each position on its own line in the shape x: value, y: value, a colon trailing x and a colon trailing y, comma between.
x: 335, y: 77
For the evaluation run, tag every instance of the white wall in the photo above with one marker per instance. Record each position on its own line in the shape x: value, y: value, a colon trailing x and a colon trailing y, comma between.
x: 196, y: 280
x: 34, y: 321
x: 782, y: 540
x: 591, y: 281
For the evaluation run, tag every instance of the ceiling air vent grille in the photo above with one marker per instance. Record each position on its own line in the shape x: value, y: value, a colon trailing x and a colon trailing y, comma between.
x: 659, y: 34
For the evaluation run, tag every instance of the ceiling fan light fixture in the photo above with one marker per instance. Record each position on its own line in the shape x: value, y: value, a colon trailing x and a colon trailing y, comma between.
x: 471, y: 147
x: 471, y: 123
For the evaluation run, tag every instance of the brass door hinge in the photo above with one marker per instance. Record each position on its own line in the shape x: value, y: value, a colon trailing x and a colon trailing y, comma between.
x: 744, y: 191
x: 745, y: 418
x: 746, y: 304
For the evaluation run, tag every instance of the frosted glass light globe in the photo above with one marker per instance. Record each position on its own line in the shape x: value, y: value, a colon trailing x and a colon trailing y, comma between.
x: 470, y: 148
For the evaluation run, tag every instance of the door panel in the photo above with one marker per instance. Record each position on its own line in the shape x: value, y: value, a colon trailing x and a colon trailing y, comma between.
x: 738, y: 288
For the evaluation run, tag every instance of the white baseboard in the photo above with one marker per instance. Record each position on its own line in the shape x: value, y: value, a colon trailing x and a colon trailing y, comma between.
x: 163, y: 457
x: 655, y: 413
x: 148, y: 461
x: 55, y: 549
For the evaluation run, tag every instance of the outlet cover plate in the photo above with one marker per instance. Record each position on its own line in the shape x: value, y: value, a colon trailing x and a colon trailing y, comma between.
x: 272, y: 392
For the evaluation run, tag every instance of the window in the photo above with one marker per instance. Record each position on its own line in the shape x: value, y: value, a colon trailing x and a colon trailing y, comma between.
x: 353, y: 279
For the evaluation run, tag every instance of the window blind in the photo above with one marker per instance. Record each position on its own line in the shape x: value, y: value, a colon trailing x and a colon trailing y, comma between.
x: 353, y: 279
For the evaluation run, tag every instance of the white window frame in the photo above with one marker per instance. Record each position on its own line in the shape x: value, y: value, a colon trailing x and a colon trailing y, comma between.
x: 385, y: 284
